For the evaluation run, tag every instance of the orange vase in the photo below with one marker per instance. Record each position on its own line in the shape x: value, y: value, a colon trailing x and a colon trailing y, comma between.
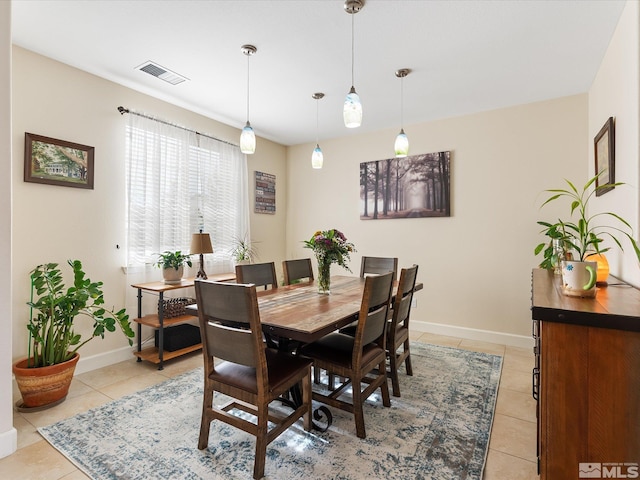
x: 603, y: 267
x: 44, y: 386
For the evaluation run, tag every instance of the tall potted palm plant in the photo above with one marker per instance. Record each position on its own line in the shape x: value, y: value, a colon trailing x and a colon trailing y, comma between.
x: 45, y: 375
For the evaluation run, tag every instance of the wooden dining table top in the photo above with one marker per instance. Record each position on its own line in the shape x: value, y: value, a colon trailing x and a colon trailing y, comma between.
x: 299, y: 312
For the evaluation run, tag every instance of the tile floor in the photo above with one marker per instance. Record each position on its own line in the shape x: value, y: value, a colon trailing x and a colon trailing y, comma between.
x: 512, y: 449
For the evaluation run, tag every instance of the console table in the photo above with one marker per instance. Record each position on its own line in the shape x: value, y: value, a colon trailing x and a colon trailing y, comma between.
x: 157, y: 354
x: 586, y: 379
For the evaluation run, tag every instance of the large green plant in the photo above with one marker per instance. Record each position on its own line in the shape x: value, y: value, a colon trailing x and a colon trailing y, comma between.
x: 581, y: 232
x: 52, y: 338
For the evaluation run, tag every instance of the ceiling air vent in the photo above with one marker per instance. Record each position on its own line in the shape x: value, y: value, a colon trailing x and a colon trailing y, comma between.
x: 162, y: 73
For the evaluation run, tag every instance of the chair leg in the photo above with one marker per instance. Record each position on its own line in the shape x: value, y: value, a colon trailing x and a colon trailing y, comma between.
x: 261, y: 442
x: 393, y: 371
x: 316, y: 375
x: 407, y: 361
x: 306, y: 399
x: 358, y: 412
x: 384, y: 386
x: 205, y: 422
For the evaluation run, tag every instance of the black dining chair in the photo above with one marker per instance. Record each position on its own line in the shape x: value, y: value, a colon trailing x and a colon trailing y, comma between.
x: 260, y: 274
x: 250, y: 373
x: 398, y: 327
x: 378, y: 265
x: 296, y: 270
x: 359, y: 359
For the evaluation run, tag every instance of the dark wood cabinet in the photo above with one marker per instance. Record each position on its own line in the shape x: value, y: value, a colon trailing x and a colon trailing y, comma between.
x: 587, y: 379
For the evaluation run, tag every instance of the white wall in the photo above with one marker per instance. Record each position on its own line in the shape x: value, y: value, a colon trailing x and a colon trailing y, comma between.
x: 475, y: 265
x: 53, y: 224
x: 615, y: 93
x: 8, y: 435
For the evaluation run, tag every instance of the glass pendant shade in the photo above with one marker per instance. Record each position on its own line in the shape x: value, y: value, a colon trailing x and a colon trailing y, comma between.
x: 247, y: 140
x: 352, y: 110
x: 402, y: 145
x: 317, y: 159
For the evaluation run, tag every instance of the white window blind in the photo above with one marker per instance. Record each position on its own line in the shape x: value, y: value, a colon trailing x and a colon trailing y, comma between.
x: 179, y: 182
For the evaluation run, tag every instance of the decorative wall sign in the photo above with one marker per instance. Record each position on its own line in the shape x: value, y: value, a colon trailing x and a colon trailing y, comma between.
x: 265, y: 193
x: 412, y: 187
x: 56, y: 162
x: 605, y: 149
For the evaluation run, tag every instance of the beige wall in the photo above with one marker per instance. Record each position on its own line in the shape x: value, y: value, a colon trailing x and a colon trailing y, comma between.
x: 8, y: 435
x: 615, y: 93
x: 476, y: 264
x: 53, y: 224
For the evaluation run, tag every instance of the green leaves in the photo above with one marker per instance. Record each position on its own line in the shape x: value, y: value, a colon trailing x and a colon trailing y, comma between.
x: 51, y: 323
x: 583, y: 235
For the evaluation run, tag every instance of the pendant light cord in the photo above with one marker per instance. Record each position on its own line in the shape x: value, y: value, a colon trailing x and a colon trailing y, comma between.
x: 401, y: 103
x: 248, y: 73
x: 317, y: 122
x: 352, y: 48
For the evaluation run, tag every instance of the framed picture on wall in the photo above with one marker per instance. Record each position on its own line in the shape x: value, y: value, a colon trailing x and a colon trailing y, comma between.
x: 57, y: 162
x: 604, y: 150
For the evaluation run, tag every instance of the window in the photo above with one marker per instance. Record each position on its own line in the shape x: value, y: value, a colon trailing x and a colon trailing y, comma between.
x: 178, y: 182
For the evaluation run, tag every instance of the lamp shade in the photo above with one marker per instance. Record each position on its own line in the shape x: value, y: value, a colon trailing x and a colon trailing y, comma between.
x: 402, y: 145
x: 317, y: 159
x: 352, y: 111
x: 247, y: 140
x: 201, y: 243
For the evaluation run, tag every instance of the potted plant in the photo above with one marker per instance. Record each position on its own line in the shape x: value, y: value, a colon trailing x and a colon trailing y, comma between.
x: 243, y: 251
x: 172, y: 265
x: 45, y: 375
x: 581, y: 236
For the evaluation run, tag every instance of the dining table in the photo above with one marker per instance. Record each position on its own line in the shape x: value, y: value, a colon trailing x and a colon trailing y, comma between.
x: 299, y: 313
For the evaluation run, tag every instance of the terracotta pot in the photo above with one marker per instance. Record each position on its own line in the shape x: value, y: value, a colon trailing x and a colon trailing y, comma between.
x: 42, y: 386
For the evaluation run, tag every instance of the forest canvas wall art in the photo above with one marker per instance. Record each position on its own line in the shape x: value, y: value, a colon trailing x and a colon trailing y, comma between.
x: 417, y: 186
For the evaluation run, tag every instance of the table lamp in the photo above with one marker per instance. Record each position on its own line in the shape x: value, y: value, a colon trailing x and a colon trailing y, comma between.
x: 201, y: 244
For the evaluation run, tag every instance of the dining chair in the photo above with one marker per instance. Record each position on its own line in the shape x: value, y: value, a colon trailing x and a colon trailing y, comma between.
x: 359, y: 359
x: 297, y: 270
x: 252, y: 374
x: 398, y: 327
x: 379, y: 265
x: 260, y: 274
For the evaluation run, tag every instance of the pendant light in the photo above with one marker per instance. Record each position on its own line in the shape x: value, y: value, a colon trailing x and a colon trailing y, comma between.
x: 317, y: 159
x: 352, y: 111
x: 248, y: 137
x: 401, y: 146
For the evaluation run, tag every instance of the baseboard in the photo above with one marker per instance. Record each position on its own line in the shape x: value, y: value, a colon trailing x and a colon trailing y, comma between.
x: 8, y: 442
x: 473, y: 334
x: 87, y: 364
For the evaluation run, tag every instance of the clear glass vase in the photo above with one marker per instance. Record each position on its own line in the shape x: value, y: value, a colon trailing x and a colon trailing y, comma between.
x: 324, y: 276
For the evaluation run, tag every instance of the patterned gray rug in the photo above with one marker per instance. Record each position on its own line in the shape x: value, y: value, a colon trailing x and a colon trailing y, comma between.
x: 439, y: 429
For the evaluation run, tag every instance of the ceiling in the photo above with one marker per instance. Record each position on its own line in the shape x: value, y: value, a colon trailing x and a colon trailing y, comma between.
x: 465, y: 56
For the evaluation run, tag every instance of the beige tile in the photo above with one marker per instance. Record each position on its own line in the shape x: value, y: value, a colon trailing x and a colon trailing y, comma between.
x: 514, y: 436
x: 27, y: 433
x: 132, y: 385
x: 501, y: 466
x: 35, y: 462
x: 516, y: 404
x: 113, y: 373
x: 76, y: 475
x: 522, y: 363
x: 525, y: 352
x: 516, y: 380
x: 182, y: 364
x: 483, y: 347
x: 68, y: 408
x: 435, y: 339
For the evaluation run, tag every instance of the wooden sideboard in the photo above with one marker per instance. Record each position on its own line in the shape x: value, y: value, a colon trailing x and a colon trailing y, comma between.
x: 586, y: 379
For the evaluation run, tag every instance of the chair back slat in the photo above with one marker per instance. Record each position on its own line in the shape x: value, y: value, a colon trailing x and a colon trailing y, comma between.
x: 404, y: 296
x: 230, y: 322
x: 379, y: 265
x: 374, y: 311
x: 297, y: 270
x: 260, y: 274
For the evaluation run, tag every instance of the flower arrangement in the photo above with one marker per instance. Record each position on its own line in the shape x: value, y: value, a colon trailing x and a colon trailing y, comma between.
x: 329, y: 246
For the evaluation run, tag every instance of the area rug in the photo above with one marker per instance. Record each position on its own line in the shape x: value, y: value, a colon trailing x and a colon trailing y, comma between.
x: 438, y: 430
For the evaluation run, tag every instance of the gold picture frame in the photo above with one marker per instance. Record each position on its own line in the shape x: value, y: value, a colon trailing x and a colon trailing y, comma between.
x: 604, y: 151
